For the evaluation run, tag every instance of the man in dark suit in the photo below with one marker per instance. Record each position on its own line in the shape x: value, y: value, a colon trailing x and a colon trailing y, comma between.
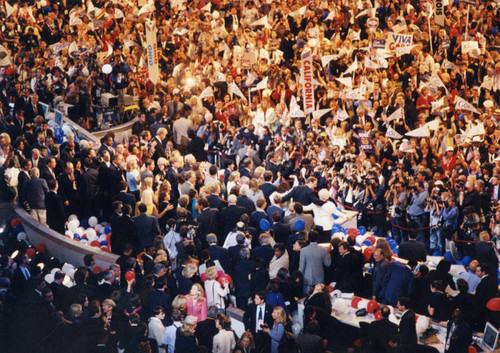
x: 146, y: 226
x: 34, y: 190
x: 380, y: 332
x: 124, y: 232
x: 124, y: 196
x: 23, y: 175
x: 209, y: 220
x: 156, y: 144
x: 206, y: 329
x: 48, y: 170
x: 21, y: 276
x: 407, y: 326
x: 272, y: 165
x: 174, y: 106
x: 55, y: 208
x: 69, y: 190
x: 60, y: 291
x: 488, y: 287
x: 268, y: 187
x: 231, y: 22
x: 280, y: 230
x: 486, y: 253
x: 107, y: 286
x: 245, y: 201
x: 458, y: 334
x: 259, y: 313
x: 242, y: 271
x: 231, y: 215
x: 218, y: 253
x: 398, y: 282
x: 33, y: 109
x: 264, y: 251
x: 90, y: 189
x: 304, y: 194
x: 412, y: 250
x: 234, y: 251
x: 348, y: 274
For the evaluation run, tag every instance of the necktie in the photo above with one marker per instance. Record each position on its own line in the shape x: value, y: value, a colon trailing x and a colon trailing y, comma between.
x: 175, y: 108
x: 260, y: 313
x: 26, y: 273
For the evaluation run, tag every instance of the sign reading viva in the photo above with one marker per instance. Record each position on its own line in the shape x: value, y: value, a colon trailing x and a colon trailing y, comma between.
x: 396, y: 40
x: 307, y: 81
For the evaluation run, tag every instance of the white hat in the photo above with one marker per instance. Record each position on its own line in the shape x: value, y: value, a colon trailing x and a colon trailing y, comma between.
x: 476, y: 139
x: 449, y: 149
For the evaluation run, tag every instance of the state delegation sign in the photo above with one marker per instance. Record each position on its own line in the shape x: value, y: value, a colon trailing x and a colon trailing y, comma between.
x: 307, y: 81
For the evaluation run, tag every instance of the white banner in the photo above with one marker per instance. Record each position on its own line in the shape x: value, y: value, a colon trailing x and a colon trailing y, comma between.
x: 5, y: 59
x: 152, y: 52
x: 420, y: 132
x: 295, y: 111
x: 396, y: 40
x: 307, y: 78
x: 439, y: 12
x: 462, y: 104
x: 393, y: 134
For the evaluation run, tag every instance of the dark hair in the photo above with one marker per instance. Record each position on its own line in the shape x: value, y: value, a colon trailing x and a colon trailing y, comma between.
x: 224, y: 321
x: 313, y: 236
x: 87, y: 259
x: 142, y: 207
x: 297, y: 207
x: 158, y: 309
x: 274, y: 285
x: 462, y: 285
x: 261, y: 294
x: 404, y: 301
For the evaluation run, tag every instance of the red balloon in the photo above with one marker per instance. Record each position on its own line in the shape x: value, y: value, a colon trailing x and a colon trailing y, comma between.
x: 378, y: 315
x: 416, y: 317
x: 372, y: 306
x: 97, y: 269
x: 372, y: 239
x: 31, y: 253
x: 355, y: 301
x: 130, y: 275
x: 108, y: 237
x: 368, y: 253
x: 41, y: 248
x: 494, y: 304
x: 95, y: 243
x: 472, y: 349
x: 352, y: 231
x: 224, y: 278
x: 15, y: 222
x: 330, y: 289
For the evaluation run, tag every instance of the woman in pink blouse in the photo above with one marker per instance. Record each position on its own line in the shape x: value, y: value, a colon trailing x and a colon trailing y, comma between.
x: 196, y: 303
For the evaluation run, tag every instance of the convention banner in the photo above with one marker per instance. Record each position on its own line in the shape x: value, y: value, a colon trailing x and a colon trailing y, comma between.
x: 306, y: 73
x: 152, y: 52
x: 439, y: 12
x: 365, y: 142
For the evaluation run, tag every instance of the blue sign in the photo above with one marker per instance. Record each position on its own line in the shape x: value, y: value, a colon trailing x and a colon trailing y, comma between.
x: 378, y: 43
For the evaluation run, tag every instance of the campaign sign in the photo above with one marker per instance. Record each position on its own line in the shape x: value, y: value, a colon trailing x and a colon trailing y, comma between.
x: 378, y: 43
x: 365, y: 142
x: 397, y: 40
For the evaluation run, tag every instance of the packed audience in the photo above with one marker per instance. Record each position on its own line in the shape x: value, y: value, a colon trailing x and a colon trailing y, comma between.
x: 225, y: 189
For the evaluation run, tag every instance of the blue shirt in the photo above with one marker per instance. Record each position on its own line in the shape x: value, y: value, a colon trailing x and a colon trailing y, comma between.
x: 450, y: 216
x: 417, y: 204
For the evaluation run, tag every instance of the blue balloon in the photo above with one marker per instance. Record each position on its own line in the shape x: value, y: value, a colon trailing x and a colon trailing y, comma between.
x: 466, y: 260
x: 299, y: 225
x: 107, y: 229
x: 361, y: 230
x: 18, y: 229
x: 104, y: 243
x: 448, y: 256
x: 76, y: 236
x: 264, y: 225
x: 84, y: 223
x: 367, y: 242
x: 436, y: 253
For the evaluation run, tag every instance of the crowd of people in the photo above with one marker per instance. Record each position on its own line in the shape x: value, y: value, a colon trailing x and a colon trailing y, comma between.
x: 231, y: 170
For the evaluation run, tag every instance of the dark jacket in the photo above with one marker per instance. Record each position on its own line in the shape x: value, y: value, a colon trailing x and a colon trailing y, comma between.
x: 147, y: 228
x: 250, y: 317
x: 55, y: 212
x: 407, y: 329
x: 460, y: 338
x: 412, y: 250
x: 398, y: 282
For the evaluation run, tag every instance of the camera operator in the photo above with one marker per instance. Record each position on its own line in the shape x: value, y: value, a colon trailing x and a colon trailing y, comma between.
x: 469, y: 230
x: 352, y: 192
x: 450, y: 218
x: 416, y: 211
x: 398, y: 197
x: 209, y: 132
x: 435, y: 207
x: 374, y: 195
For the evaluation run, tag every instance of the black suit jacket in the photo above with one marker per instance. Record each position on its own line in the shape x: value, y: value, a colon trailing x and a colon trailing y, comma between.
x: 264, y: 251
x: 124, y: 232
x: 407, y: 329
x: 267, y: 189
x: 126, y: 198
x: 247, y: 203
x: 412, y: 250
x: 486, y: 289
x: 216, y: 202
x: 460, y: 338
x: 147, y: 229
x: 231, y: 216
x: 205, y: 332
x: 303, y: 194
x: 234, y: 254
x: 55, y: 212
x: 486, y: 253
x: 380, y: 332
x: 210, y: 221
x: 250, y: 317
x: 221, y: 254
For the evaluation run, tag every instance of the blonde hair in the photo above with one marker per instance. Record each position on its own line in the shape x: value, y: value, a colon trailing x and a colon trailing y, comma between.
x: 75, y: 311
x: 189, y: 270
x: 109, y: 302
x: 201, y: 291
x: 282, y: 315
x: 179, y: 302
x: 258, y: 173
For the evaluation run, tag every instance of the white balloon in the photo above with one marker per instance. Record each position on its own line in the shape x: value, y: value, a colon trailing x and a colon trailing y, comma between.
x: 393, y: 319
x: 67, y: 267
x: 215, y: 15
x: 340, y: 305
x: 71, y: 273
x: 363, y: 304
x: 79, y: 231
x: 21, y: 236
x: 72, y: 217
x: 107, y: 69
x: 424, y: 321
x: 102, y: 237
x: 49, y: 278
x: 338, y: 235
x: 54, y: 270
x: 99, y: 228
x: 84, y: 241
x: 93, y: 221
x: 73, y: 224
x: 359, y: 239
x: 90, y: 233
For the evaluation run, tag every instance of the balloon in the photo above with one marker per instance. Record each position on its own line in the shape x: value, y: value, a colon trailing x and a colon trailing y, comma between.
x: 108, y: 238
x: 466, y: 260
x: 299, y: 225
x: 41, y: 248
x: 15, y: 222
x: 107, y: 229
x: 423, y: 321
x: 99, y: 228
x: 31, y: 253
x: 340, y: 305
x: 372, y: 306
x: 378, y: 315
x: 22, y: 236
x: 363, y: 304
x: 338, y: 235
x: 372, y: 239
x: 68, y: 234
x: 97, y: 269
x: 368, y: 253
x: 448, y: 256
x: 367, y: 242
x: 361, y: 230
x: 95, y: 243
x: 67, y: 267
x: 93, y: 221
x: 79, y: 231
x: 355, y: 302
x: 102, y: 237
x: 130, y: 275
x: 104, y: 243
x: 352, y: 231
x: 107, y: 69
x: 73, y: 217
x: 84, y: 241
x: 84, y: 223
x: 494, y: 304
x: 54, y: 270
x: 360, y: 239
x: 49, y: 278
x: 473, y: 349
x: 264, y: 225
x: 73, y: 224
x: 91, y: 233
x: 76, y: 237
x: 18, y: 229
x: 224, y: 278
x: 330, y: 289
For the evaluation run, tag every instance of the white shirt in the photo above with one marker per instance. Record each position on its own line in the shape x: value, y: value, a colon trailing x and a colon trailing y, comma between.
x: 169, y: 336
